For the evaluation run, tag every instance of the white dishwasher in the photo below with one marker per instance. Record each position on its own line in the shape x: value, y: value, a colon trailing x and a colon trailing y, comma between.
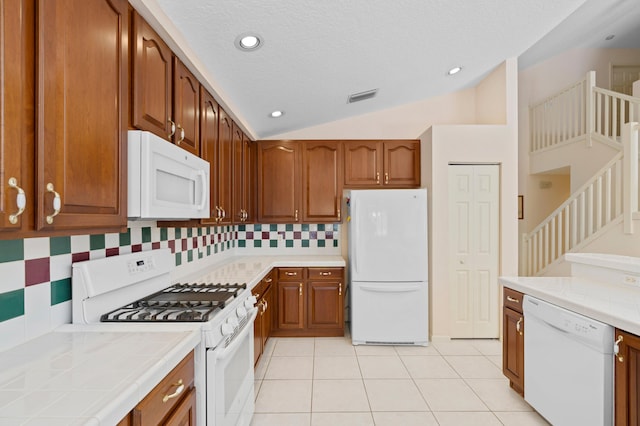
x: 568, y: 365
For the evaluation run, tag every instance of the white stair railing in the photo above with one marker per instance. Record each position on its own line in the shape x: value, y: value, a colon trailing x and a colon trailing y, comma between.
x: 563, y: 117
x: 612, y: 109
x: 612, y: 193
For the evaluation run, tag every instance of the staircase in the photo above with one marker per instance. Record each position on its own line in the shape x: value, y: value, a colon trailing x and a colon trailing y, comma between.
x: 608, y: 202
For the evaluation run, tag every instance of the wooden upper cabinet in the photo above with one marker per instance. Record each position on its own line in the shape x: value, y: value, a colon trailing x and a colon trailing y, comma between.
x: 393, y: 164
x: 250, y: 169
x: 362, y: 164
x: 225, y: 168
x: 238, y: 175
x: 209, y: 148
x: 82, y: 84
x: 321, y: 181
x: 279, y: 182
x: 151, y: 97
x: 401, y: 161
x: 186, y: 108
x: 17, y: 29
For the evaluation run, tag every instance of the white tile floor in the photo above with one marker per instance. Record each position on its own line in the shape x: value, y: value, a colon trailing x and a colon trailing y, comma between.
x: 327, y: 381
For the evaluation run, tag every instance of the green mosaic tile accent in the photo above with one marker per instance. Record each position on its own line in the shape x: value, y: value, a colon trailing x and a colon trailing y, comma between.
x: 242, y: 228
x: 208, y: 250
x: 289, y: 243
x: 164, y: 234
x: 59, y: 245
x: 257, y: 227
x: 288, y: 227
x: 273, y: 243
x: 321, y: 227
x: 189, y: 232
x: 242, y: 243
x: 189, y: 255
x: 96, y: 242
x: 11, y: 304
x: 178, y: 233
x: 321, y: 243
x: 273, y: 227
x: 60, y: 291
x: 335, y: 243
x: 178, y: 259
x: 257, y: 243
x: 11, y: 250
x: 199, y: 232
x: 125, y: 238
x: 305, y: 243
x: 305, y: 226
x: 146, y: 234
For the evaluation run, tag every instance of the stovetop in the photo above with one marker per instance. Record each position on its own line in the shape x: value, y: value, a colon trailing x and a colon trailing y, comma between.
x: 193, y: 302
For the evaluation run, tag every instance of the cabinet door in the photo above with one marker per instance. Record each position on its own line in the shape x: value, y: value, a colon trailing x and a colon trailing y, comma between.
x: 627, y: 379
x: 401, y: 163
x: 257, y: 332
x: 81, y: 126
x: 513, y: 348
x: 279, y: 183
x: 185, y: 413
x: 209, y: 148
x: 17, y: 29
x: 362, y: 164
x: 238, y: 175
x: 321, y: 181
x: 290, y: 305
x: 151, y: 72
x: 324, y: 305
x: 267, y: 324
x: 250, y: 182
x: 186, y: 108
x: 225, y: 168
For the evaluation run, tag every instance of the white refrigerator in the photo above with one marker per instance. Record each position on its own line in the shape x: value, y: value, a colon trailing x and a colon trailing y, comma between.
x: 388, y: 264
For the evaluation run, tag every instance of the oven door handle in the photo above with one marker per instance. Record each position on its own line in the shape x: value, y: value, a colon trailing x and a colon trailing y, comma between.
x: 221, y: 352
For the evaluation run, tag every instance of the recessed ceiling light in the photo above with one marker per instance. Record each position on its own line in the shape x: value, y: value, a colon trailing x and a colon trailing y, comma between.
x: 276, y: 114
x: 248, y: 42
x: 454, y: 70
x: 609, y: 37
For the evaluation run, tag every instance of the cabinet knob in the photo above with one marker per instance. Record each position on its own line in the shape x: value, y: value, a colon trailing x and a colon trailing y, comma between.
x: 21, y: 200
x: 56, y: 203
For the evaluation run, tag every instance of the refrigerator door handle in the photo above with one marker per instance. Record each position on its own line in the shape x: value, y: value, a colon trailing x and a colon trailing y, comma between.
x: 353, y: 244
x: 395, y: 288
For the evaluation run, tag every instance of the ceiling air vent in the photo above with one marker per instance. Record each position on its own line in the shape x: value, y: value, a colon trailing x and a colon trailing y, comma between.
x: 357, y: 97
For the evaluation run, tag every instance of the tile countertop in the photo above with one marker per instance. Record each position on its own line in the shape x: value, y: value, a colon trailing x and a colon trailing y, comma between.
x: 95, y: 374
x: 617, y: 304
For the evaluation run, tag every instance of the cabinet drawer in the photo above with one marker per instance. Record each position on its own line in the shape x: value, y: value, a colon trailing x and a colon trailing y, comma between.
x: 513, y: 299
x: 325, y: 273
x: 263, y: 285
x: 290, y: 274
x: 160, y: 402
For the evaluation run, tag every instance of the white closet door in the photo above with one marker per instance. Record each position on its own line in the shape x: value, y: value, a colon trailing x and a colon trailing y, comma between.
x: 474, y: 250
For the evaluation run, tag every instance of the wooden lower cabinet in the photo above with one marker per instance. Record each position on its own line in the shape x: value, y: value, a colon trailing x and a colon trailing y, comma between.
x: 310, y: 302
x: 513, y: 340
x: 172, y: 402
x: 627, y: 379
x: 264, y: 320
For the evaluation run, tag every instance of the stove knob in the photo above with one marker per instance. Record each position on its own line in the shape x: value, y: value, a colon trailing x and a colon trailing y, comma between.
x: 233, y: 322
x: 251, y: 300
x: 227, y: 329
x: 241, y: 312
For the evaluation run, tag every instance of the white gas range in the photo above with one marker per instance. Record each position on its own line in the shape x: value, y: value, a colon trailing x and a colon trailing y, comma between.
x: 136, y: 291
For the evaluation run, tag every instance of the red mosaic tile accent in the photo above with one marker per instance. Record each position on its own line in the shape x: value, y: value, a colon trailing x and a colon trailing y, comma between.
x: 36, y: 271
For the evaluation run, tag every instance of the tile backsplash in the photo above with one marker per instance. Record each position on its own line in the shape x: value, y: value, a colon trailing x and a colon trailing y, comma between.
x: 35, y: 273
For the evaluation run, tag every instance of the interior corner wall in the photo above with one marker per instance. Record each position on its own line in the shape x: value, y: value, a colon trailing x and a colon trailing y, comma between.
x: 426, y: 156
x: 491, y: 97
x: 469, y: 144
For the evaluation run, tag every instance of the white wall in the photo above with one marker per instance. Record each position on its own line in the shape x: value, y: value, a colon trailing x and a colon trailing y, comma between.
x: 491, y: 98
x: 445, y: 144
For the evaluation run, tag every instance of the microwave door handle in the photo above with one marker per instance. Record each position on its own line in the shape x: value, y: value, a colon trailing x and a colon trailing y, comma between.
x: 203, y: 176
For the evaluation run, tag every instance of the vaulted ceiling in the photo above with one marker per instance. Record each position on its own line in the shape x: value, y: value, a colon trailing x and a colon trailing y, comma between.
x: 314, y: 54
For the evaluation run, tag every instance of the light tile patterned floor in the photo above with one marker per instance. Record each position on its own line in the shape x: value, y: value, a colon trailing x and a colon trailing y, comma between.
x: 328, y: 381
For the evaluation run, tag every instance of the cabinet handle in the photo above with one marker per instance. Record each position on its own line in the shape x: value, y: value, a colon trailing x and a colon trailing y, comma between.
x: 173, y: 128
x: 56, y: 203
x: 325, y: 274
x: 217, y: 214
x: 291, y: 274
x: 245, y: 215
x: 386, y: 178
x: 224, y: 213
x: 519, y: 326
x: 511, y: 299
x: 300, y: 287
x: 268, y: 280
x: 181, y: 135
x: 266, y: 306
x: 339, y: 215
x: 340, y: 289
x: 295, y: 215
x: 21, y: 200
x: 178, y: 391
x: 616, y: 348
x: 378, y: 178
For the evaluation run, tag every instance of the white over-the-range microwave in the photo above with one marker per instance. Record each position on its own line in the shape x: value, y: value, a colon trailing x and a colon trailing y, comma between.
x: 165, y: 181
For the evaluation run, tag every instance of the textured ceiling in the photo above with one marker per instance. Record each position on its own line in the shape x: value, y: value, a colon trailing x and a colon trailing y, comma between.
x: 316, y: 53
